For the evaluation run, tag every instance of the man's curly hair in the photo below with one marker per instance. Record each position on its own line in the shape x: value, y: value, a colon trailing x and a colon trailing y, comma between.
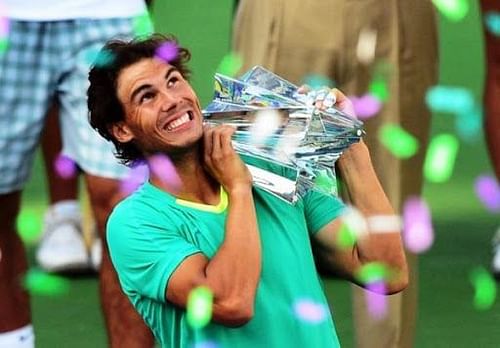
x: 105, y: 109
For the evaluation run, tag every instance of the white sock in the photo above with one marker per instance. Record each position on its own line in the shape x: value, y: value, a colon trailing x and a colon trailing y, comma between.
x: 23, y: 337
x: 68, y: 207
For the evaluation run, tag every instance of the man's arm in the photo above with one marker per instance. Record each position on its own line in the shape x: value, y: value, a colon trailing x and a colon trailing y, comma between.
x: 492, y: 88
x: 234, y: 272
x: 367, y: 195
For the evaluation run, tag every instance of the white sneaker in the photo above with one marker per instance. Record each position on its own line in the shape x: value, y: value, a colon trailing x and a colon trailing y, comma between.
x: 495, y: 262
x: 62, y: 248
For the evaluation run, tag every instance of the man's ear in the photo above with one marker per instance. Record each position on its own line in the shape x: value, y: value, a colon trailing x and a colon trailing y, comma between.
x: 121, y: 132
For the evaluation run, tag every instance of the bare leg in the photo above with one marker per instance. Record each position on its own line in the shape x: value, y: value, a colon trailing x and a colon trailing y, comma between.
x: 59, y: 189
x: 125, y: 327
x: 14, y: 300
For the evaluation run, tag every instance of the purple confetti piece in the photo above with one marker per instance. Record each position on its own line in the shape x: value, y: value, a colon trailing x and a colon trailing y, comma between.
x: 65, y: 167
x: 365, y: 106
x: 418, y: 234
x: 310, y: 311
x: 164, y: 169
x: 167, y: 51
x: 4, y: 26
x: 375, y: 301
x: 136, y: 177
x: 488, y: 192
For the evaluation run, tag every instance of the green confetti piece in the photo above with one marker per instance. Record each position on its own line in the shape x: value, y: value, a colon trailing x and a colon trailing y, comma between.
x: 316, y: 81
x: 346, y: 237
x: 378, y: 89
x: 199, y: 307
x: 143, y: 25
x: 485, y: 290
x: 454, y: 10
x: 29, y: 225
x: 372, y: 272
x: 325, y: 183
x: 4, y: 45
x: 41, y: 283
x: 230, y: 64
x: 398, y: 141
x: 99, y: 58
x: 440, y: 158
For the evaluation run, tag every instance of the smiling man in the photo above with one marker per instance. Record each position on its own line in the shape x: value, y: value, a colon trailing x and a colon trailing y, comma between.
x: 254, y: 251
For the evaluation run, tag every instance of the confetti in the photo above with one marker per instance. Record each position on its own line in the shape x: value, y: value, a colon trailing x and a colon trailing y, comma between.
x: 418, y: 234
x: 488, y: 191
x: 324, y: 183
x: 167, y: 51
x: 4, y: 45
x: 65, y: 167
x: 454, y: 10
x: 99, y: 57
x: 454, y: 100
x: 199, y: 307
x: 206, y: 344
x: 376, y: 302
x: 485, y: 290
x: 143, y: 25
x: 492, y: 22
x: 265, y: 125
x: 365, y: 106
x: 398, y: 141
x: 135, y: 178
x: 41, y: 283
x: 440, y: 158
x: 4, y: 27
x: 29, y: 225
x: 164, y: 169
x: 378, y: 88
x: 310, y: 311
x: 367, y: 42
x: 316, y: 81
x: 230, y: 64
x: 372, y: 272
x: 469, y: 124
x: 353, y: 227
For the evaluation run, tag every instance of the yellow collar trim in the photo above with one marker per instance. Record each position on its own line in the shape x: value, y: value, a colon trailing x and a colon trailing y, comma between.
x: 219, y: 208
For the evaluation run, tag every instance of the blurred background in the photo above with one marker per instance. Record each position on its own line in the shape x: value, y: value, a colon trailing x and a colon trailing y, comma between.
x: 463, y: 227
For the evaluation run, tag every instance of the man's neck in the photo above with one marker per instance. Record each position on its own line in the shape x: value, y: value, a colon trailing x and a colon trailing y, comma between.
x: 196, y: 184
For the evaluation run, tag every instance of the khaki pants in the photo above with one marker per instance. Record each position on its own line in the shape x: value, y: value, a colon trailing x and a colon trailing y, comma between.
x: 296, y: 38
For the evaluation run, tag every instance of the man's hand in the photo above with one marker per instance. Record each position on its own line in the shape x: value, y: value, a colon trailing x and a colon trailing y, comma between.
x: 222, y: 161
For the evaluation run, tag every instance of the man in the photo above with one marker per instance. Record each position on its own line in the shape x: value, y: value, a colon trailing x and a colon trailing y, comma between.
x: 295, y: 39
x: 212, y: 228
x: 492, y: 108
x: 50, y: 44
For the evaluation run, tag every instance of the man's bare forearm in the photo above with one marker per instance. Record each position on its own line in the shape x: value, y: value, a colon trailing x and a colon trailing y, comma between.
x: 234, y: 271
x: 367, y: 195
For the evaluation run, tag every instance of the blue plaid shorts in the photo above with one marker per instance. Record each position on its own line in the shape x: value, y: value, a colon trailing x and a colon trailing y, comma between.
x: 44, y: 61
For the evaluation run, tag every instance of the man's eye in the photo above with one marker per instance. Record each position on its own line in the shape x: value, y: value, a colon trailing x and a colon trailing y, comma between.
x: 172, y: 81
x: 146, y: 96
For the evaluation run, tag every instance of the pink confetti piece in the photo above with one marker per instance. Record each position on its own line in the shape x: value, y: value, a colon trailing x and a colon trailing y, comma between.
x: 310, y: 311
x: 365, y: 106
x: 135, y: 178
x: 162, y: 167
x: 167, y: 52
x: 375, y: 300
x: 418, y: 234
x: 65, y: 167
x: 488, y: 192
x: 4, y: 26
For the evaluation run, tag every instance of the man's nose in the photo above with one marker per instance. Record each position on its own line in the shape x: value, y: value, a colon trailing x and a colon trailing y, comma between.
x: 169, y: 101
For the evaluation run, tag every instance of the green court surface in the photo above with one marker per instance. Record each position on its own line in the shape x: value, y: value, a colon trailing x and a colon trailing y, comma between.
x: 463, y: 228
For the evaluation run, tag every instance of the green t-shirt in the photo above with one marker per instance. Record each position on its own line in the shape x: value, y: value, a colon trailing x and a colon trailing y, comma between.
x: 151, y: 232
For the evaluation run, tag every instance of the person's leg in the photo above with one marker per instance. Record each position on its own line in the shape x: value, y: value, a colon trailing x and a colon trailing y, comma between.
x: 94, y: 156
x: 24, y: 95
x: 62, y: 247
x: 124, y: 325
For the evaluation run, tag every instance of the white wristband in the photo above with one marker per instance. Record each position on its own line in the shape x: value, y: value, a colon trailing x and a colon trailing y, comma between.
x: 384, y: 223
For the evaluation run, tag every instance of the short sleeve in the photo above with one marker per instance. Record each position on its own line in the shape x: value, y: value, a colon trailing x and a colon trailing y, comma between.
x: 145, y: 250
x: 320, y: 209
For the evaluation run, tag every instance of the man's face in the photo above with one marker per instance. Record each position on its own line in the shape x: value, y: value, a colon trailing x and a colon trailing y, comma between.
x: 162, y: 112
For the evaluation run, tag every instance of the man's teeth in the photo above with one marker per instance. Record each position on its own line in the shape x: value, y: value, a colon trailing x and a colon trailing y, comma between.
x: 178, y: 122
